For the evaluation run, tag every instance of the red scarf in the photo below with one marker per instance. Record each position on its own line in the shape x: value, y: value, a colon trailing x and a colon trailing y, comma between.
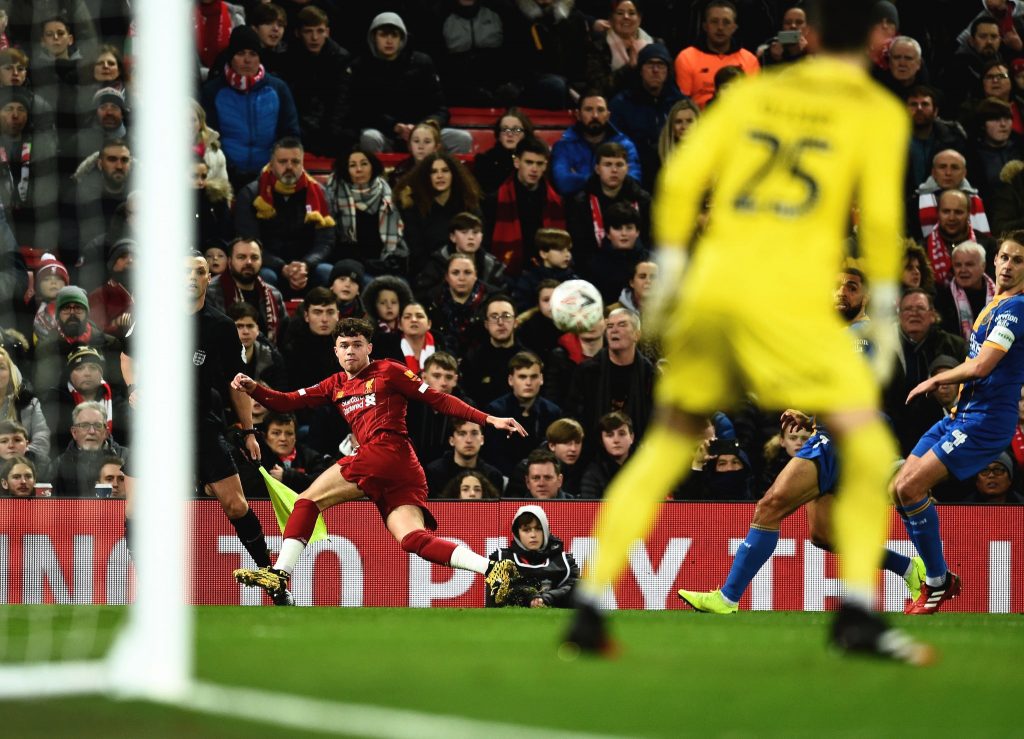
x: 413, y: 362
x: 1018, y: 446
x: 507, y: 237
x: 105, y: 399
x: 573, y: 347
x: 213, y: 30
x: 199, y: 149
x: 317, y: 211
x: 598, y: 217
x: 233, y: 294
x: 940, y: 255
x: 243, y: 82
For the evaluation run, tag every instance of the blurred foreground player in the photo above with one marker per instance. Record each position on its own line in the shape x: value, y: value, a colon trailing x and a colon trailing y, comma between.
x: 373, y: 398
x: 217, y: 358
x: 784, y: 158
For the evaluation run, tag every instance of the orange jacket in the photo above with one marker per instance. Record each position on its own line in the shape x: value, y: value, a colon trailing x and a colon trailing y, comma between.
x: 696, y: 69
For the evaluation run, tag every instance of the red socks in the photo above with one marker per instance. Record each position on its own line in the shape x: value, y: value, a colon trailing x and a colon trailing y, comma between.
x: 301, y: 522
x: 424, y: 544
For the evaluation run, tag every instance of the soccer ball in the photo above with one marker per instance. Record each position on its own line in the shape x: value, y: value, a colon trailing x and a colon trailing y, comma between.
x: 576, y: 306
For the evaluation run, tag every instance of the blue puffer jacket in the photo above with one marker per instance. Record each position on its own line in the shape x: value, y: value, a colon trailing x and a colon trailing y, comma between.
x: 250, y: 122
x: 572, y: 159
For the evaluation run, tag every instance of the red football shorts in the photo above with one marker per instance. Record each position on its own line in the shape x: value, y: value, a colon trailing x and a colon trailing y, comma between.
x: 388, y: 471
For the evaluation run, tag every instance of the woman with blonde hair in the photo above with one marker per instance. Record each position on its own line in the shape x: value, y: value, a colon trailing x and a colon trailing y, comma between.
x: 206, y: 146
x: 681, y: 116
x: 424, y: 140
x: 18, y: 403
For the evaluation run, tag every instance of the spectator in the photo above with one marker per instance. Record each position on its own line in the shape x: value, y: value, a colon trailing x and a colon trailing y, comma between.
x: 968, y: 292
x: 436, y: 190
x: 111, y: 304
x: 384, y: 299
x: 78, y: 465
x: 217, y: 258
x: 564, y: 438
x: 472, y: 63
x: 214, y: 222
x: 554, y: 247
x: 616, y: 445
x: 465, y: 235
x: 17, y: 478
x: 617, y: 378
x: 317, y: 72
x: 74, y: 329
x: 289, y: 462
x: 587, y: 210
x: 417, y: 341
x: 430, y: 431
x: 1007, y: 205
x: 206, y: 146
x: 544, y: 476
x: 949, y: 172
x: 697, y: 65
x: 111, y: 473
x: 455, y: 303
x: 903, y: 70
x: 242, y: 283
x: 549, y: 573
x: 642, y: 109
x: 82, y: 380
x: 524, y: 203
x: 1009, y: 15
x: 214, y: 20
x: 571, y: 351
x: 931, y: 134
x: 108, y: 120
x: 994, y: 484
x: 470, y: 485
x: 782, y: 48
x: 424, y: 139
x: 51, y: 276
x: 721, y: 473
x: 997, y: 83
x: 526, y: 405
x: 19, y: 404
x: 14, y: 443
x: 954, y: 228
x: 28, y: 171
x: 994, y: 146
x: 555, y: 56
x: 681, y: 116
x: 56, y: 57
x: 916, y: 270
x: 288, y: 211
x: 369, y: 228
x: 574, y: 156
x: 963, y: 73
x: 14, y: 73
x: 466, y: 441
x: 309, y: 345
x: 270, y: 23
x: 778, y: 450
x: 262, y: 359
x: 346, y: 282
x: 90, y: 204
x: 619, y: 47
x: 619, y: 253
x: 494, y: 166
x: 534, y: 326
x: 485, y: 368
x: 396, y: 87
x: 251, y: 108
x: 639, y: 286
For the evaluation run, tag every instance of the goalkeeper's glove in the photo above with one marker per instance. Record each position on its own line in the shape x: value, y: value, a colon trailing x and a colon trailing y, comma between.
x: 881, y: 331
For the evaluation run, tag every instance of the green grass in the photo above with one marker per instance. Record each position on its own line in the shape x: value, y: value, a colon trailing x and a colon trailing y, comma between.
x: 680, y: 673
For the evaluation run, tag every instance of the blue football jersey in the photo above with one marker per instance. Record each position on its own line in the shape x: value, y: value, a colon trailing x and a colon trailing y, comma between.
x: 1000, y: 324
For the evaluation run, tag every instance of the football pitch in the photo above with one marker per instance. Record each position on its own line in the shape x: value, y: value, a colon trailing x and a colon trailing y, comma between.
x: 405, y: 672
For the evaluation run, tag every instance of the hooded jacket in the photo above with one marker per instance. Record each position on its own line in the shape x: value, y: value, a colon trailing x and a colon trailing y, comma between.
x: 549, y: 573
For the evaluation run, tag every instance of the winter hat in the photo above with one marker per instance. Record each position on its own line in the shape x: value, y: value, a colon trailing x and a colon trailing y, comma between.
x: 1005, y: 461
x: 942, y: 362
x: 84, y: 355
x: 242, y: 38
x: 15, y: 95
x: 653, y: 51
x: 386, y: 19
x: 50, y: 262
x: 118, y: 250
x: 885, y: 11
x: 109, y: 95
x: 347, y: 268
x: 72, y: 294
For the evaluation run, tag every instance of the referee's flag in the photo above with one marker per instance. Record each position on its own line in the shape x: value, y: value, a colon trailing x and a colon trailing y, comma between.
x: 283, y: 498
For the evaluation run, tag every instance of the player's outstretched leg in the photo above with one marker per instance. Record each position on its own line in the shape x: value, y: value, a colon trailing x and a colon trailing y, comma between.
x: 627, y: 514
x: 274, y: 580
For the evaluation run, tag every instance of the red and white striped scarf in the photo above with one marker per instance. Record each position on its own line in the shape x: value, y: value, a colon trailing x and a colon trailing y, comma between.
x: 413, y: 362
x: 964, y: 313
x: 928, y: 213
x: 105, y: 399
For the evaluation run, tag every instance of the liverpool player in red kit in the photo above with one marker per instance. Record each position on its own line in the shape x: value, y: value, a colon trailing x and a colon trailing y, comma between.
x: 373, y: 396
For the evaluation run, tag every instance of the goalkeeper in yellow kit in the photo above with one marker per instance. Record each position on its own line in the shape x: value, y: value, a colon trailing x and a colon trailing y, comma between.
x: 784, y: 157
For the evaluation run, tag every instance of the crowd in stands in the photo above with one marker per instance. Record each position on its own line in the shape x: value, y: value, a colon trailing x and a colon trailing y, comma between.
x: 439, y: 168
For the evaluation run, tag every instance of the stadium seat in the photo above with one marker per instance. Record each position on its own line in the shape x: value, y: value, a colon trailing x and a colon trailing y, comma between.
x: 483, y: 139
x: 318, y: 165
x: 549, y: 135
x: 485, y: 117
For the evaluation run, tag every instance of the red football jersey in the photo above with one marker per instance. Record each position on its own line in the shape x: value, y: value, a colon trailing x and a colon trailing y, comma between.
x: 374, y: 400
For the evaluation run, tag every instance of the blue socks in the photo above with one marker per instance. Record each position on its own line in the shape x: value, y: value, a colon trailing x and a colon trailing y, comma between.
x: 922, y: 523
x: 895, y: 562
x: 751, y: 556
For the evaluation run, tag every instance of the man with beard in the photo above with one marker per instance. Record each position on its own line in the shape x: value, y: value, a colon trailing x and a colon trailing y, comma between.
x: 111, y: 303
x: 573, y: 156
x: 74, y: 330
x: 288, y: 211
x: 78, y: 466
x: 107, y: 123
x: 949, y: 172
x: 931, y: 135
x: 963, y: 73
x: 89, y: 204
x: 241, y: 283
